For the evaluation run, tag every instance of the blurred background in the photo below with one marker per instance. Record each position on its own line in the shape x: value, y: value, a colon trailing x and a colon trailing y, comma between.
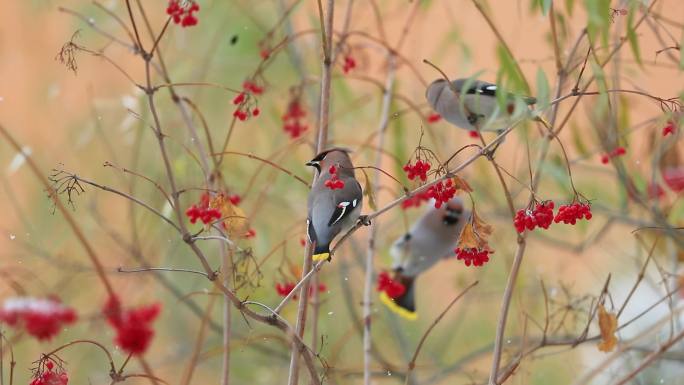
x: 78, y: 120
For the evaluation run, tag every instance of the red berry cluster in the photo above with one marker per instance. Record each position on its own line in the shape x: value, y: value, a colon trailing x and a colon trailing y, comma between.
x: 349, y: 64
x: 669, y: 129
x: 540, y: 216
x: 50, y: 377
x: 252, y: 87
x: 618, y: 151
x: 286, y: 288
x: 433, y: 118
x: 392, y: 288
x: 41, y: 318
x: 419, y: 169
x: 133, y: 326
x: 241, y: 100
x: 416, y: 200
x: 473, y: 256
x: 202, y: 211
x: 473, y: 134
x: 292, y: 119
x: 334, y: 182
x: 570, y: 214
x: 183, y: 14
x: 251, y: 233
x: 441, y: 192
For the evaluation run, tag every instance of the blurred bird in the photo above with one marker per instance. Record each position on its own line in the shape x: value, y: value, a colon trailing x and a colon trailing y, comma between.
x: 473, y: 105
x: 333, y: 207
x: 432, y: 237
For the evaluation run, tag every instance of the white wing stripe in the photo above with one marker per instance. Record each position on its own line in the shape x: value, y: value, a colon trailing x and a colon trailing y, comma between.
x: 344, y: 209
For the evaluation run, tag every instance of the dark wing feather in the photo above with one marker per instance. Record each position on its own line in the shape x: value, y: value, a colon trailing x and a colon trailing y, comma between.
x: 479, y: 87
x: 310, y: 231
x: 344, y: 208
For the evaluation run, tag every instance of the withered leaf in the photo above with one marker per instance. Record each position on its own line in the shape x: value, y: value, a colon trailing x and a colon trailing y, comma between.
x: 608, y: 326
x: 482, y: 228
x: 235, y: 221
x: 468, y: 238
x: 368, y: 191
x: 461, y: 184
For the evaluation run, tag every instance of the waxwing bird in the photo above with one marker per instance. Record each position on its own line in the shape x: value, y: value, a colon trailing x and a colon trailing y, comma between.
x: 335, y: 199
x: 472, y: 104
x: 433, y: 237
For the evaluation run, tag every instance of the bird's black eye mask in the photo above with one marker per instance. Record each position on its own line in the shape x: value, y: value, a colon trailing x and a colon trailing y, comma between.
x: 453, y: 214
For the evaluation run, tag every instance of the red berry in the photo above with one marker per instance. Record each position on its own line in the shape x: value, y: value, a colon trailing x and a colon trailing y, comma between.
x: 235, y: 199
x: 239, y: 98
x: 434, y: 118
x: 473, y: 256
x: 669, y: 129
x: 349, y: 64
x: 183, y: 15
x: 392, y: 288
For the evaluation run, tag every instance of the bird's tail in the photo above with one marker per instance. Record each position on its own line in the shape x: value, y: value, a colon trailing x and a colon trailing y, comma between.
x: 405, y: 305
x: 321, y: 252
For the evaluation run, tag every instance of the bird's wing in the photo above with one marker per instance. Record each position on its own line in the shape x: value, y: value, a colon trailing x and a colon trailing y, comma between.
x: 310, y: 231
x: 346, y: 202
x: 479, y: 87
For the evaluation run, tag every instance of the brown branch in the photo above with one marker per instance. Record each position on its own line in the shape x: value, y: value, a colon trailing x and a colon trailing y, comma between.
x: 270, y: 163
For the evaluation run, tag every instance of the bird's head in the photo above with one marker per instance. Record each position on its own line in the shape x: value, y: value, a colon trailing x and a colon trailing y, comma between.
x: 434, y: 91
x: 337, y: 156
x: 453, y: 210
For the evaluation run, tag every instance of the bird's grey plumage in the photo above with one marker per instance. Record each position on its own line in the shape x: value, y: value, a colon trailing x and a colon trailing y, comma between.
x: 332, y: 211
x: 433, y: 237
x: 473, y: 105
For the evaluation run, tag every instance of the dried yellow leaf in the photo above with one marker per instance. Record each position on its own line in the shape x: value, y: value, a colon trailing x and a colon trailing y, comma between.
x: 368, y: 192
x: 608, y: 326
x: 482, y: 228
x: 468, y: 238
x: 235, y: 221
x: 461, y: 184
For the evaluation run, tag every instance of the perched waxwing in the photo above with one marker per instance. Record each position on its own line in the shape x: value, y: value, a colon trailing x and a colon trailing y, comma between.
x: 472, y: 104
x: 335, y: 199
x: 433, y: 237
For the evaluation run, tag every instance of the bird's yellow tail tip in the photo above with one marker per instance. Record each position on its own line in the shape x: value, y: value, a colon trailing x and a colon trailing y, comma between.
x: 320, y: 257
x: 404, y: 313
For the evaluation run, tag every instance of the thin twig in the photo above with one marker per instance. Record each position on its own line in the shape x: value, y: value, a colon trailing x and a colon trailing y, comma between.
x: 152, y: 269
x: 412, y: 363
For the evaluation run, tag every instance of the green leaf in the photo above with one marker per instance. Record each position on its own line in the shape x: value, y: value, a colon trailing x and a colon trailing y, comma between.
x: 569, y: 6
x: 508, y: 71
x: 632, y: 36
x: 543, y: 93
x: 598, y: 23
x: 623, y: 116
x: 577, y: 140
x: 544, y: 5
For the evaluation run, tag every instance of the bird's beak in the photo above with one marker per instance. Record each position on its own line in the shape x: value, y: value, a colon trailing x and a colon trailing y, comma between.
x: 312, y: 163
